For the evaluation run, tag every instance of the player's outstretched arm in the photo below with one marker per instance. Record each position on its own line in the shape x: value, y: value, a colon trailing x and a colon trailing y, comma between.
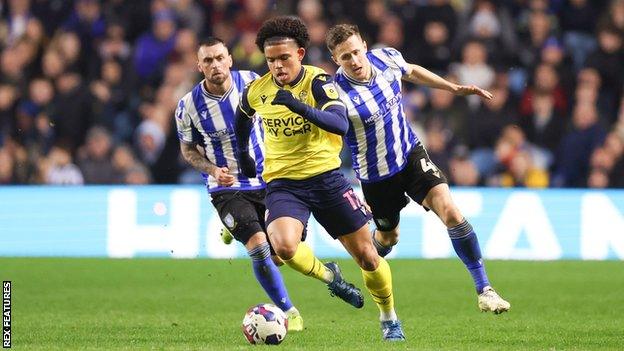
x: 420, y: 75
x: 192, y: 155
x: 332, y: 116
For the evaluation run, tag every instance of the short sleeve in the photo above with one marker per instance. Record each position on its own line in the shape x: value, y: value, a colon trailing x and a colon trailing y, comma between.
x: 184, y: 125
x: 396, y: 58
x: 325, y: 92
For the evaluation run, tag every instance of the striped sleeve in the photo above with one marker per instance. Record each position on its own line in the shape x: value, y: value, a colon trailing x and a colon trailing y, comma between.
x: 394, y: 59
x: 184, y: 125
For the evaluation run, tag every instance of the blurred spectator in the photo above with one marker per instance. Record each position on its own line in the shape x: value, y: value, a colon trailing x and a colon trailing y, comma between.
x: 598, y: 178
x: 32, y: 122
x: 545, y: 126
x: 8, y: 99
x: 190, y: 15
x: 72, y: 114
x: 152, y: 48
x: 7, y: 166
x: 59, y: 169
x: 434, y: 50
x: 486, y: 123
x: 123, y: 161
x: 310, y: 11
x: 94, y: 159
x: 247, y: 56
x: 492, y: 25
x: 614, y: 15
x: 87, y: 21
x: 539, y: 30
x: 546, y: 82
x: 553, y: 54
x: 474, y: 69
x: 463, y: 171
x: 137, y: 175
x: 19, y: 15
x: 66, y: 66
x: 608, y: 60
x: 578, y: 21
x: 577, y: 146
x: 522, y: 172
x: 109, y: 98
x: 449, y: 112
x: 390, y: 33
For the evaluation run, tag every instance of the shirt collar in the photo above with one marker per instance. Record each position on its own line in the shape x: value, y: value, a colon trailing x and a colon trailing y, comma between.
x: 214, y: 96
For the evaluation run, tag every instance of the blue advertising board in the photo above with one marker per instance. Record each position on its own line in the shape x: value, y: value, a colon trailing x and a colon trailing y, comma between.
x: 180, y: 222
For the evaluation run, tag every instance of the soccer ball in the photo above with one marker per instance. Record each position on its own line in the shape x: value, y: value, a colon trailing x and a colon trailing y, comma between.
x: 265, y: 324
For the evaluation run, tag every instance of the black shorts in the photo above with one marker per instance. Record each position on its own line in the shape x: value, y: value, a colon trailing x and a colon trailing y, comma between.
x: 328, y: 196
x: 386, y: 197
x: 242, y: 212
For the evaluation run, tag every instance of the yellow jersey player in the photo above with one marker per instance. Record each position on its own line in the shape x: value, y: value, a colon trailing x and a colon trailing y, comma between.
x: 303, y: 121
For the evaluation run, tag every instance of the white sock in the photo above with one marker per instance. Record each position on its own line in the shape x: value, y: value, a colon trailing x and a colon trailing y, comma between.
x: 328, y: 276
x: 388, y: 316
x: 293, y: 311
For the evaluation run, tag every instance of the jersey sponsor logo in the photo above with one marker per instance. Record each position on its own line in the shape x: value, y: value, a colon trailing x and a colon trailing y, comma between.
x: 330, y: 90
x: 289, y: 126
x: 263, y: 98
x: 383, y: 109
x: 218, y: 133
x: 203, y: 114
x: 356, y: 99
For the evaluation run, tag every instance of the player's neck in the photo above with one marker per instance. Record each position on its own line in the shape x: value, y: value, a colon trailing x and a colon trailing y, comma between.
x: 218, y: 89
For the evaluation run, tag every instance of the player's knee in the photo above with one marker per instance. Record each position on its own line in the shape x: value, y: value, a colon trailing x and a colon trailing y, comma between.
x: 449, y: 213
x: 368, y: 259
x: 452, y: 216
x: 285, y: 251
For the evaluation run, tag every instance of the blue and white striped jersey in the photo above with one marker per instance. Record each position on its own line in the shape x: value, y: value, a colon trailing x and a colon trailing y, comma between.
x: 379, y: 134
x: 208, y: 120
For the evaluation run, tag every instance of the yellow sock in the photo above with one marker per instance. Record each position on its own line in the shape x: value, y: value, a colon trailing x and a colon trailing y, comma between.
x: 379, y: 284
x: 305, y: 262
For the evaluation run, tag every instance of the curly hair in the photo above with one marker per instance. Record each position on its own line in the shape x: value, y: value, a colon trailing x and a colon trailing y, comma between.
x: 283, y: 27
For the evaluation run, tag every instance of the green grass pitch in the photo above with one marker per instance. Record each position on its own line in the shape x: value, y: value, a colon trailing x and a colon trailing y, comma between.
x: 166, y: 304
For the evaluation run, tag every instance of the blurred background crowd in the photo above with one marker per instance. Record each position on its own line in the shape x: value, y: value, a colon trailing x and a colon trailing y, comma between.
x: 88, y: 87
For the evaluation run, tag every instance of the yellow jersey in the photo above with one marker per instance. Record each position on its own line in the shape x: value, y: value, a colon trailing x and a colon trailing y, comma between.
x: 294, y: 147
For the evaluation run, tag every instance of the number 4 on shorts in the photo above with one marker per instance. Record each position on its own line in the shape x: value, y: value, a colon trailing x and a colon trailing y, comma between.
x: 429, y: 166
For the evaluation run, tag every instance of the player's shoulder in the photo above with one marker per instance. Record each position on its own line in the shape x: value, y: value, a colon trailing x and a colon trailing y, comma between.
x: 245, y: 76
x: 187, y: 99
x: 315, y: 71
x: 385, y: 53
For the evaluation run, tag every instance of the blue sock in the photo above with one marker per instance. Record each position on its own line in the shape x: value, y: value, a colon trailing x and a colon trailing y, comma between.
x: 466, y: 246
x: 269, y: 276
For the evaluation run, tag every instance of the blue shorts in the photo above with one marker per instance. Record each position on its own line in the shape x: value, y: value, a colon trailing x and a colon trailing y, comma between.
x: 328, y: 196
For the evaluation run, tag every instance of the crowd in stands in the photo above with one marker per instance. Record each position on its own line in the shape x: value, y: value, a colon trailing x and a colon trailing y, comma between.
x: 88, y: 87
